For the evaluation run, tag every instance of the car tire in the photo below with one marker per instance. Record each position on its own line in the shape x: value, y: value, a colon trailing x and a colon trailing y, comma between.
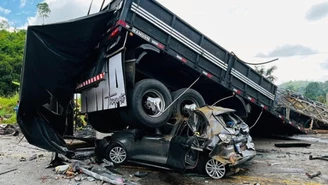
x: 116, y: 154
x: 219, y: 171
x: 205, y: 162
x: 137, y: 109
x: 191, y: 96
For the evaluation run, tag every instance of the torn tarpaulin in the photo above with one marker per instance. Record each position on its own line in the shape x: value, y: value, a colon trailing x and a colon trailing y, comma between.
x: 55, y: 55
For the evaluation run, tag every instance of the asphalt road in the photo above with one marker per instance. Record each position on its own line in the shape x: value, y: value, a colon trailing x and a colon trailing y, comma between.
x: 272, y: 165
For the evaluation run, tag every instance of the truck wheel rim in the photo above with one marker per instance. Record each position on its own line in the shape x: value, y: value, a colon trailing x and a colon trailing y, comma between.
x: 186, y: 103
x: 154, y: 103
x: 117, y: 154
x: 215, y: 169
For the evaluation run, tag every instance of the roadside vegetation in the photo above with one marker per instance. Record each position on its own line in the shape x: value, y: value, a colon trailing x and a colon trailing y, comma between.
x: 7, y: 105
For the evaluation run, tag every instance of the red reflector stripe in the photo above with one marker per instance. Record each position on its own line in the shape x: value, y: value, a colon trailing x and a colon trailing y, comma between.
x: 182, y: 59
x: 160, y: 46
x: 207, y: 74
x: 264, y: 107
x: 91, y: 80
x: 251, y: 99
x: 157, y: 44
x: 237, y: 91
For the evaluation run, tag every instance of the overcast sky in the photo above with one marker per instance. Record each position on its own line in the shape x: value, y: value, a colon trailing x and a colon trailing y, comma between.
x: 295, y: 31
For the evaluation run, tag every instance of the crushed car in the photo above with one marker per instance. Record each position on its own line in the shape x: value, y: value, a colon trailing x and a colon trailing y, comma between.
x: 213, y: 140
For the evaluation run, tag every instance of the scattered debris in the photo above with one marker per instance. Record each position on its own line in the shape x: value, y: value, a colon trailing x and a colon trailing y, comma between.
x: 313, y: 175
x: 73, y: 168
x: 112, y: 180
x: 62, y: 169
x: 35, y: 156
x: 90, y: 179
x: 286, y: 145
x: 140, y: 174
x: 7, y: 171
x: 106, y: 163
x: 272, y: 164
x: 78, y: 178
x: 325, y: 157
x: 262, y: 150
x: 8, y: 129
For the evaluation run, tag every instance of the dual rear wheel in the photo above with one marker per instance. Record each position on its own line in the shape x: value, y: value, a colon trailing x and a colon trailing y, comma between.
x: 150, y: 104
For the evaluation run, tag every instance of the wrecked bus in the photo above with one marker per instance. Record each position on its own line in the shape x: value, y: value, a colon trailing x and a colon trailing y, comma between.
x: 136, y: 64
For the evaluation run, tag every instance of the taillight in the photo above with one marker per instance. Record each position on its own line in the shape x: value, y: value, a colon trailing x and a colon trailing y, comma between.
x: 114, y: 33
x: 121, y: 23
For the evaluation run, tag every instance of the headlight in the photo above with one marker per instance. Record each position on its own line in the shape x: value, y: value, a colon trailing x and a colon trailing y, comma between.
x: 225, y: 138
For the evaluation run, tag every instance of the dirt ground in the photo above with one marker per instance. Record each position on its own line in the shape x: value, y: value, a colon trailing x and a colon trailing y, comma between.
x: 272, y: 165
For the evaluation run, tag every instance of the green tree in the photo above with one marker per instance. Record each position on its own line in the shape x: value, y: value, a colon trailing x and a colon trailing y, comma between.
x: 267, y: 73
x: 321, y: 99
x: 4, y: 25
x: 43, y: 10
x: 11, y: 57
x: 291, y: 87
x: 314, y: 90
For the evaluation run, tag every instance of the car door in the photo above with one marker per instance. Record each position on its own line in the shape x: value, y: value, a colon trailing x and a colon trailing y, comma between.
x: 151, y: 148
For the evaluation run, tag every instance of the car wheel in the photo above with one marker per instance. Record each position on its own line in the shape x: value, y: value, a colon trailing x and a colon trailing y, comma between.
x: 116, y: 154
x: 149, y: 99
x: 215, y: 169
x: 190, y: 99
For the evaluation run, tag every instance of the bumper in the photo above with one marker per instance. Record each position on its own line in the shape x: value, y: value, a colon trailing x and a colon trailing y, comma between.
x: 247, y: 156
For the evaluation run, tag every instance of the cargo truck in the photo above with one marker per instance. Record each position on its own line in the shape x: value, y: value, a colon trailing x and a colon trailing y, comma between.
x: 134, y: 63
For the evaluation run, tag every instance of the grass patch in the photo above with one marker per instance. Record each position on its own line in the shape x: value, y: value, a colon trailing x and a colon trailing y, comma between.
x: 7, y: 105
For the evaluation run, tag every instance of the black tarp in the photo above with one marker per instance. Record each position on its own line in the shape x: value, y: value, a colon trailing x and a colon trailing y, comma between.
x: 55, y: 55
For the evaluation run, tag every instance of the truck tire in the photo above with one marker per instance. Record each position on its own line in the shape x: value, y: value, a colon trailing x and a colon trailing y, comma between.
x: 145, y: 94
x: 188, y: 98
x: 127, y: 114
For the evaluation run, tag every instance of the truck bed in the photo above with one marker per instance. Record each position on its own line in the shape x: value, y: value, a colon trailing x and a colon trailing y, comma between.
x: 181, y: 39
x: 167, y: 31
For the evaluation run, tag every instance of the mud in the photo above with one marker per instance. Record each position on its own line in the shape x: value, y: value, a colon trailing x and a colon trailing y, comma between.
x: 272, y: 165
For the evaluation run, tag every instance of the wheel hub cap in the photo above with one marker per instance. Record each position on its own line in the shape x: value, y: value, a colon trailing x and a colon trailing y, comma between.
x: 215, y: 169
x: 117, y: 155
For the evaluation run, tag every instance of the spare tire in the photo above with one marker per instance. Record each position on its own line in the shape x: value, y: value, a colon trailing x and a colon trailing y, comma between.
x: 190, y: 97
x: 148, y: 100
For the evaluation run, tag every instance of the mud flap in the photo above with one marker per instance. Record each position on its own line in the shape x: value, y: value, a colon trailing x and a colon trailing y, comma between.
x: 110, y: 93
